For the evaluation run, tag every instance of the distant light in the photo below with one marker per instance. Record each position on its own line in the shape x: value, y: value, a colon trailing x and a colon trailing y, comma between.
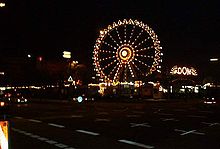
x: 29, y: 56
x: 214, y: 59
x: 40, y: 58
x: 80, y: 99
x: 2, y: 4
x: 2, y: 73
x: 66, y: 54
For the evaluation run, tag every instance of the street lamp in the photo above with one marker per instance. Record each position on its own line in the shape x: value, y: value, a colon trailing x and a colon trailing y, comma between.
x: 213, y: 59
x: 2, y: 4
x: 66, y: 54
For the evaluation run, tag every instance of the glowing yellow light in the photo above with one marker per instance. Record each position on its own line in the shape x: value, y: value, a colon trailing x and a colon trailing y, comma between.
x: 66, y: 54
x: 183, y: 71
x: 2, y: 4
x: 214, y: 59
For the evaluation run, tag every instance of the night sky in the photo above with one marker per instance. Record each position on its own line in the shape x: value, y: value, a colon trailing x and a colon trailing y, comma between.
x: 188, y: 30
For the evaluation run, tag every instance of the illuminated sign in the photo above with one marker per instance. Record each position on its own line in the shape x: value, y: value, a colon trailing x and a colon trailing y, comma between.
x: 183, y: 71
x: 3, y: 134
x: 70, y: 79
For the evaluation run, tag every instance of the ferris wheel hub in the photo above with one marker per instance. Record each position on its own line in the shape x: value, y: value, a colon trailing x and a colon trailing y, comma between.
x: 125, y: 54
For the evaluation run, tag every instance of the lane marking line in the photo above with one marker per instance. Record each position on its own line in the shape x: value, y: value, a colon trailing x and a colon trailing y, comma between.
x: 103, y: 113
x: 17, y: 117
x: 76, y: 116
x: 36, y: 121
x: 88, y: 132
x: 169, y: 119
x: 42, y: 139
x: 196, y: 116
x: 60, y: 145
x: 34, y: 136
x: 139, y: 125
x: 184, y: 132
x: 132, y: 116
x: 46, y: 140
x: 165, y: 114
x: 210, y: 124
x: 56, y: 125
x: 179, y: 110
x: 51, y: 142
x: 136, y: 144
x: 138, y: 112
x: 102, y: 120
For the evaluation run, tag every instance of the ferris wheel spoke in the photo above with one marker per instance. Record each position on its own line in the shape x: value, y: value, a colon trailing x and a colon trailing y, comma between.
x: 117, y: 71
x: 107, y: 58
x: 145, y: 49
x: 140, y: 72
x: 107, y: 51
x: 118, y: 36
x: 125, y: 34
x: 144, y: 56
x: 106, y: 43
x: 141, y: 62
x: 142, y: 42
x: 131, y: 35
x: 113, y: 62
x: 131, y: 70
x: 113, y: 39
x: 113, y: 70
x: 138, y: 36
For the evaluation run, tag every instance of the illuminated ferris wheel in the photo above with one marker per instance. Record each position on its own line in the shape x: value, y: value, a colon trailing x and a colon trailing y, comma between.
x: 126, y: 51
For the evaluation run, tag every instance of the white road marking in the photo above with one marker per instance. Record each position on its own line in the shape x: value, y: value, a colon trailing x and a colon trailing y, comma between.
x: 56, y: 125
x: 42, y: 139
x: 179, y: 110
x: 103, y: 113
x: 188, y: 132
x: 137, y: 144
x: 169, y: 119
x: 120, y: 110
x: 211, y: 124
x: 88, y: 132
x: 60, y: 145
x: 28, y: 134
x: 196, y: 116
x: 51, y: 142
x: 206, y: 112
x: 46, y: 140
x: 139, y: 125
x: 36, y: 121
x: 133, y: 116
x: 165, y: 114
x: 76, y: 116
x: 18, y: 117
x: 102, y: 120
x: 138, y: 112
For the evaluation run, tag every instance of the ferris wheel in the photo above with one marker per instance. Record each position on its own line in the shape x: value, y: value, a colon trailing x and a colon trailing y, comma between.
x: 127, y: 50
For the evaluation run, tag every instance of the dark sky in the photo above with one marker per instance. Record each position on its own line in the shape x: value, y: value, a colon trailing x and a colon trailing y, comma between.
x: 188, y: 30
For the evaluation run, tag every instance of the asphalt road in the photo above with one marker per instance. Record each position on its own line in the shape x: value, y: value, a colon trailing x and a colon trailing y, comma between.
x: 112, y: 125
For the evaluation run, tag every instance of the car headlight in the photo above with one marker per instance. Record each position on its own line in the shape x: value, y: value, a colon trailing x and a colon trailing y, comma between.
x: 19, y: 100
x: 25, y: 100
